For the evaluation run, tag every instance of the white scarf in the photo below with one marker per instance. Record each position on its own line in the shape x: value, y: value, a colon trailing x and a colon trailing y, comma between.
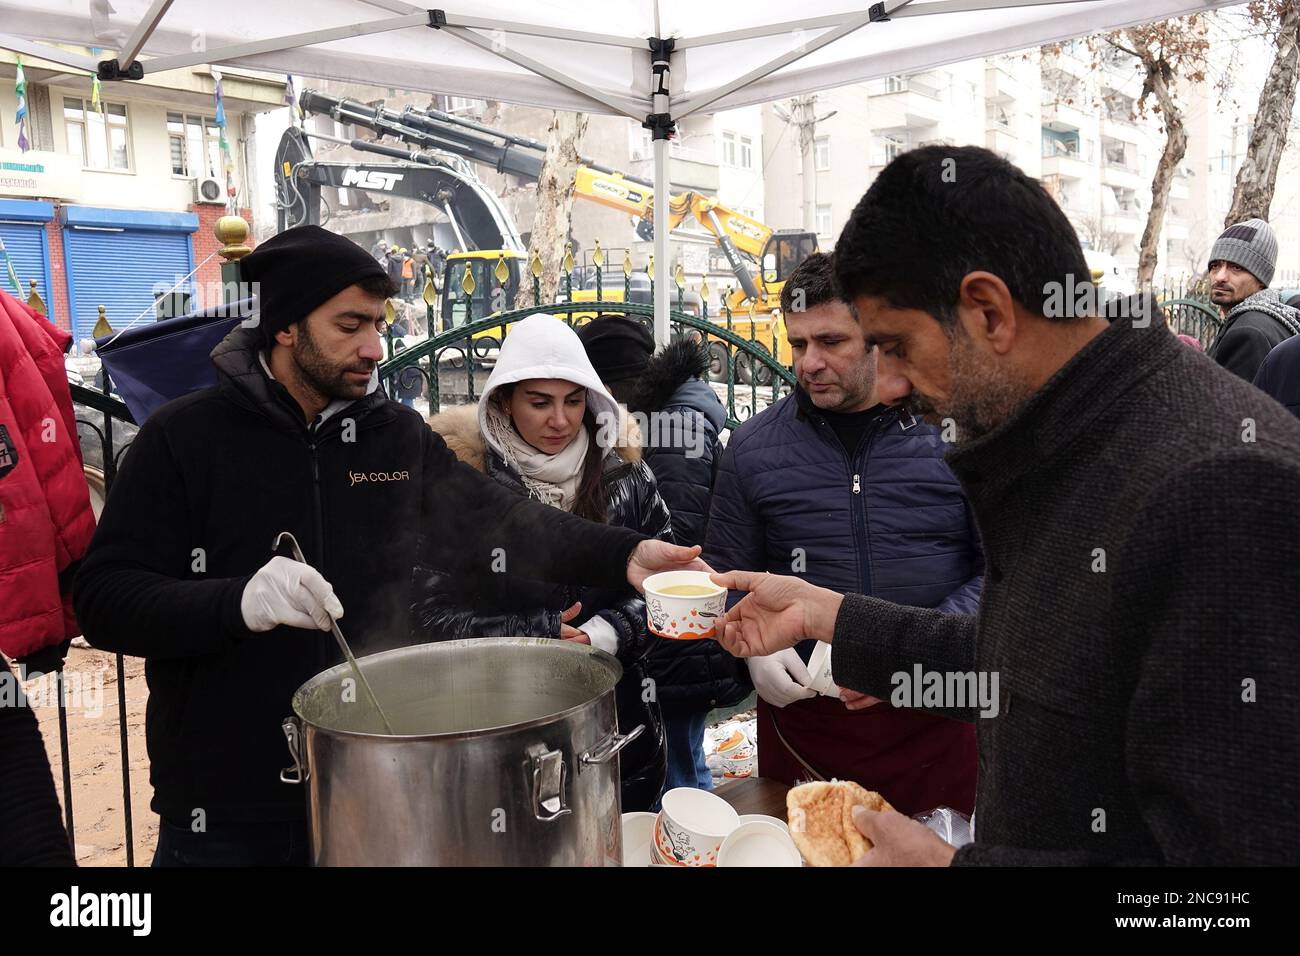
x: 551, y: 479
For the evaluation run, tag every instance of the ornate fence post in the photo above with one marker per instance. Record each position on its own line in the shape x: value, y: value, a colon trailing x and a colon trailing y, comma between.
x: 34, y: 300
x: 535, y: 267
x: 232, y: 233
x: 567, y: 266
x: 468, y: 286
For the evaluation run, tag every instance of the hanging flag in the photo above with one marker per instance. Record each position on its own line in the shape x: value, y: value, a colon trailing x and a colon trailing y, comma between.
x: 95, y: 102
x: 227, y: 163
x: 10, y: 273
x: 291, y: 97
x: 20, y: 91
x: 219, y: 95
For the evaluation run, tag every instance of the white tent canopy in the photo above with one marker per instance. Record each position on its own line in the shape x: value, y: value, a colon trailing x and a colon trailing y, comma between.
x: 580, y: 56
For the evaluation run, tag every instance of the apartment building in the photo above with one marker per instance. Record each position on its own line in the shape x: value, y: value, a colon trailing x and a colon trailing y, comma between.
x: 1068, y: 118
x: 111, y: 207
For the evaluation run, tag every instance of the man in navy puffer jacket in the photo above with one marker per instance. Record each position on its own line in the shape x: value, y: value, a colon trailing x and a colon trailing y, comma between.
x: 833, y: 485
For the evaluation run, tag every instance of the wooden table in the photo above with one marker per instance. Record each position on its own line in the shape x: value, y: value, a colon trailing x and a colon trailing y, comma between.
x: 755, y: 795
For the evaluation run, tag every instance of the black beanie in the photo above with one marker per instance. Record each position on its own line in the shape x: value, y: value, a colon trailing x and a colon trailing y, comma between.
x: 619, y: 348
x: 301, y: 268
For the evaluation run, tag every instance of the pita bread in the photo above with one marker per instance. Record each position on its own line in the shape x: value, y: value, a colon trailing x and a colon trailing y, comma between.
x: 821, y: 820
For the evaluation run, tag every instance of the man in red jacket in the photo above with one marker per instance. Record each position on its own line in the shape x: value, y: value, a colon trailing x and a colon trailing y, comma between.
x: 45, y: 517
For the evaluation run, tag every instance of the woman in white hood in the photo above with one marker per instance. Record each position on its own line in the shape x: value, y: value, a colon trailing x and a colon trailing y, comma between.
x: 547, y: 428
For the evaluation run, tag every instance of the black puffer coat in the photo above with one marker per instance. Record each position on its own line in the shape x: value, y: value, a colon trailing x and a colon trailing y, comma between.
x: 683, y: 452
x: 506, y: 605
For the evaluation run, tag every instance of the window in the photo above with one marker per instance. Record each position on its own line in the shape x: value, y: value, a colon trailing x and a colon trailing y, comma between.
x: 997, y: 116
x: 195, y: 144
x: 822, y: 153
x: 728, y: 149
x: 640, y: 145
x: 746, y: 153
x: 895, y: 83
x: 892, y: 146
x: 465, y: 104
x: 100, y: 139
x: 824, y: 222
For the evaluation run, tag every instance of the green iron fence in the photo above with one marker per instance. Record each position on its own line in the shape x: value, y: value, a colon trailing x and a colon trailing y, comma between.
x: 445, y: 364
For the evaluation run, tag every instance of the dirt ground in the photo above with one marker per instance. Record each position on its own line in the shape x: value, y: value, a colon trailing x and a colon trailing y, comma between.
x: 95, y: 749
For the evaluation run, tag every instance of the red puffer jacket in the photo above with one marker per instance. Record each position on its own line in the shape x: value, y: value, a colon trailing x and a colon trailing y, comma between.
x: 45, y: 518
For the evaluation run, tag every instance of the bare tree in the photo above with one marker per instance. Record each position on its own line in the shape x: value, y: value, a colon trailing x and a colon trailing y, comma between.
x: 1257, y: 175
x: 554, y: 202
x: 1092, y: 229
x: 1164, y: 50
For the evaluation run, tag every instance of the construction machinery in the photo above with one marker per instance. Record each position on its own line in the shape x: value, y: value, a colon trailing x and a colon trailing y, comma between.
x: 746, y: 242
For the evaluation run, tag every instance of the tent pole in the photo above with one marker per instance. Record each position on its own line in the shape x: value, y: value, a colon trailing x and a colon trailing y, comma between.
x: 148, y: 23
x: 78, y: 61
x: 876, y: 13
x: 664, y: 269
x: 660, y: 124
x: 537, y: 68
x: 226, y: 54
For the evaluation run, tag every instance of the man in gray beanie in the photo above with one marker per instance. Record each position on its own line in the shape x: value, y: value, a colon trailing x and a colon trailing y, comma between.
x: 1254, y: 317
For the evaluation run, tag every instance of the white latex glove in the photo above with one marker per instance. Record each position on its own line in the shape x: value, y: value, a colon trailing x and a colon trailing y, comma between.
x: 780, y: 678
x: 284, y: 591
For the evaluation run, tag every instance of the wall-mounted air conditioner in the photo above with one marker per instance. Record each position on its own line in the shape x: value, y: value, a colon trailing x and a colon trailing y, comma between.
x: 209, y: 189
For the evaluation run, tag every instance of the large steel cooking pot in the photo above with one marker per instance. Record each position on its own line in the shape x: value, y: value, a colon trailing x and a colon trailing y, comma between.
x: 504, y: 752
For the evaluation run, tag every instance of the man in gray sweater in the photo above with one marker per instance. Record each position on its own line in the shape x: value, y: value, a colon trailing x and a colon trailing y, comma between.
x: 1134, y: 668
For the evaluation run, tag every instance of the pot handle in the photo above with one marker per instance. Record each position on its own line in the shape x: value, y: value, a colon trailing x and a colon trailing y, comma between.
x: 548, y: 783
x: 608, y: 748
x: 293, y: 735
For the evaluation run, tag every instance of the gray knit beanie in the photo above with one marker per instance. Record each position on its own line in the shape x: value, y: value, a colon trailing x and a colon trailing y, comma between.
x: 1252, y: 245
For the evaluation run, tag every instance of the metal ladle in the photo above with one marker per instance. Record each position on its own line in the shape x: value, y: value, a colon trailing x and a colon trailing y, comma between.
x: 338, y: 635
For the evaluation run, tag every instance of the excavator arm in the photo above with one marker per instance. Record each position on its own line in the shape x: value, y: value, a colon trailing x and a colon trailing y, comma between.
x: 476, y: 216
x: 744, y: 241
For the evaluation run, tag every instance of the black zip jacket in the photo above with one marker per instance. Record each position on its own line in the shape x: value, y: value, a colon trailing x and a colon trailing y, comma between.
x: 209, y: 482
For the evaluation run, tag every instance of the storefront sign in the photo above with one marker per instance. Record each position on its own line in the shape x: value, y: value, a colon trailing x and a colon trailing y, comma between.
x: 39, y: 174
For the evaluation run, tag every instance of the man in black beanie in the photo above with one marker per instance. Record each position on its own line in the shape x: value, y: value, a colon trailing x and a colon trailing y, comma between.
x: 296, y: 436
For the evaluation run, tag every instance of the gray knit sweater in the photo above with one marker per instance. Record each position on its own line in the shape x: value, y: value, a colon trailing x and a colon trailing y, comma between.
x: 1148, y: 706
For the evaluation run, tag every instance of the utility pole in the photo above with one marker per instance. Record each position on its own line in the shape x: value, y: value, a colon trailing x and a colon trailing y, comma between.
x: 802, y: 114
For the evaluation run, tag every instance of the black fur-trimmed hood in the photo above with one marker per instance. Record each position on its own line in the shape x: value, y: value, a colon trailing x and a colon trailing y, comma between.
x: 668, y: 370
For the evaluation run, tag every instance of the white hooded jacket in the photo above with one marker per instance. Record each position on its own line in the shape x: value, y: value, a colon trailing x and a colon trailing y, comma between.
x: 543, y: 346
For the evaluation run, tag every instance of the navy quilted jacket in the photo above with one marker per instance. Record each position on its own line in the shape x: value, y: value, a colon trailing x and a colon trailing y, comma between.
x: 893, y: 523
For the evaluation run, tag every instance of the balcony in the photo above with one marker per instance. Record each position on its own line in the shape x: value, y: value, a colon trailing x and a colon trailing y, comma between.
x: 1000, y: 85
x: 1001, y: 141
x: 919, y: 99
x: 1126, y: 177
x: 1067, y: 166
x: 1001, y: 117
x: 1074, y: 57
x: 1062, y: 116
x: 1129, y: 220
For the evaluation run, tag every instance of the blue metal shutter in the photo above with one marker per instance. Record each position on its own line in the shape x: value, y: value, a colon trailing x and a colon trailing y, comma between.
x: 26, y: 248
x: 118, y: 269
